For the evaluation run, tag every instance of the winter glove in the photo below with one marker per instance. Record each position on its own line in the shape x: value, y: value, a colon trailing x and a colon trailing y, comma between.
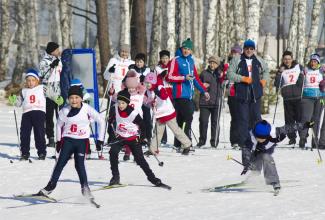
x: 189, y: 77
x: 99, y: 145
x: 244, y: 171
x: 59, y: 100
x: 263, y: 82
x: 111, y: 91
x: 12, y: 99
x: 55, y: 63
x: 58, y: 146
x: 112, y: 69
x: 142, y: 78
x: 163, y: 73
x: 309, y: 124
x: 247, y: 80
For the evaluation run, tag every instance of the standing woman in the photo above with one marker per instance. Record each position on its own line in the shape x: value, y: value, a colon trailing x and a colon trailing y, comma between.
x: 310, y: 103
x: 73, y: 139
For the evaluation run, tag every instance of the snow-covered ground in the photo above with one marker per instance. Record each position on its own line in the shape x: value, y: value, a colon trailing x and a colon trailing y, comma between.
x: 302, y: 195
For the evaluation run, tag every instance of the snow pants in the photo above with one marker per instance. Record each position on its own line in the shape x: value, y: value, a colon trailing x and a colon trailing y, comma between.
x: 33, y: 120
x: 292, y: 114
x: 233, y: 123
x: 78, y: 148
x: 184, y: 110
x: 51, y: 108
x: 204, y: 122
x: 310, y: 111
x: 178, y: 133
x: 136, y: 149
x: 266, y: 161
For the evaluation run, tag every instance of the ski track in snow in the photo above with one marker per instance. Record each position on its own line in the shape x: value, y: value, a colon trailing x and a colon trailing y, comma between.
x: 301, y: 197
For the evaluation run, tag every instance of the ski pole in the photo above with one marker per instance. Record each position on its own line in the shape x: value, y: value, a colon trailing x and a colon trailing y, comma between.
x: 277, y: 100
x: 194, y: 136
x: 160, y: 163
x: 229, y: 157
x: 319, y: 160
x: 101, y: 157
x: 18, y: 144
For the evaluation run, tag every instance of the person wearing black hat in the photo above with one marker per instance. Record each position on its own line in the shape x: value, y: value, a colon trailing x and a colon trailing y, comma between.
x: 73, y: 126
x: 50, y: 70
x: 261, y: 144
x: 290, y: 80
x: 130, y: 130
x: 250, y: 74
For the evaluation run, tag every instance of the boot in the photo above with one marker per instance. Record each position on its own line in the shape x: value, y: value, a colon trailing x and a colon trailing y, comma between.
x: 115, y: 181
x: 302, y: 143
x: 155, y: 181
x: 186, y: 151
x: 51, y: 142
x: 48, y: 189
x: 24, y: 157
x: 41, y: 156
x: 200, y: 144
x: 213, y: 143
x: 292, y: 141
x: 86, y: 192
x: 148, y: 153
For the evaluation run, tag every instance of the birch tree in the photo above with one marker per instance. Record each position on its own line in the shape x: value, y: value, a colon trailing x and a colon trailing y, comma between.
x: 138, y: 28
x: 223, y: 34
x: 125, y: 22
x: 171, y: 40
x: 230, y: 26
x: 155, y: 34
x: 210, y: 46
x: 86, y: 38
x: 180, y: 22
x: 239, y: 21
x: 66, y: 23
x: 31, y: 34
x: 4, y: 38
x: 20, y: 40
x: 102, y: 35
x: 197, y: 30
x: 293, y: 28
x: 253, y: 18
x: 55, y: 30
x: 312, y: 38
x: 188, y: 20
x: 301, y: 30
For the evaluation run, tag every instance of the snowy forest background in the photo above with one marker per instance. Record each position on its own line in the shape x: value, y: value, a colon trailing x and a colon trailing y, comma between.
x: 152, y: 25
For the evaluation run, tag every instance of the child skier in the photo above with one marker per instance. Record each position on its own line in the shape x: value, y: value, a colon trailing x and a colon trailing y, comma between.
x: 262, y: 141
x: 129, y: 125
x: 165, y: 115
x: 32, y: 99
x: 73, y: 126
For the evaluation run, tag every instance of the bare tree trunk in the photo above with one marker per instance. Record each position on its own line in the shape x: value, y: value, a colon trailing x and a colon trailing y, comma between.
x: 86, y: 38
x: 210, y: 46
x: 239, y: 21
x: 102, y: 35
x: 4, y: 38
x: 171, y: 40
x: 55, y: 30
x: 66, y: 23
x: 293, y: 28
x: 181, y: 25
x: 125, y: 22
x: 301, y: 30
x: 223, y: 34
x: 253, y: 20
x: 21, y: 42
x: 164, y: 33
x: 155, y: 34
x: 312, y: 38
x: 230, y: 26
x: 31, y: 34
x: 138, y: 28
x: 188, y: 19
x: 199, y: 20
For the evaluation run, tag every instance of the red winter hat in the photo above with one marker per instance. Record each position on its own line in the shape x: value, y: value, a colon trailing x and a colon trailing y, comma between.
x: 151, y: 78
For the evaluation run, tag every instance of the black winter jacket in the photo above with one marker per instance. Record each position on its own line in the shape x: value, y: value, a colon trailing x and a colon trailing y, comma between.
x: 214, y: 90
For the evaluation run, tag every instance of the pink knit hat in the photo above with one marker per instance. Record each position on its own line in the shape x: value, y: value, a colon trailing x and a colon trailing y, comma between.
x: 132, y: 80
x: 151, y: 78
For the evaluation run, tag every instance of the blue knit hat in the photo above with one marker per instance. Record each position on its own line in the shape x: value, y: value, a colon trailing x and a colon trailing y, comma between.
x: 315, y: 56
x: 262, y: 129
x: 75, y: 82
x: 249, y: 43
x: 32, y: 72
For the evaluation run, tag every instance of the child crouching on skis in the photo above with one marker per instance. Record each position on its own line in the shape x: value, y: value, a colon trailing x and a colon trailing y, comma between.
x: 165, y: 115
x: 129, y: 125
x: 73, y: 126
x: 262, y: 141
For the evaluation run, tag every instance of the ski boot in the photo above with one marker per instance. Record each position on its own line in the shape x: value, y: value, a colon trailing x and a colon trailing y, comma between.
x: 155, y: 181
x: 302, y: 143
x: 86, y: 192
x: 213, y: 144
x: 292, y: 141
x: 126, y: 157
x: 115, y: 181
x: 51, y: 142
x: 41, y: 156
x: 48, y: 189
x: 186, y: 151
x: 200, y: 144
x: 24, y: 157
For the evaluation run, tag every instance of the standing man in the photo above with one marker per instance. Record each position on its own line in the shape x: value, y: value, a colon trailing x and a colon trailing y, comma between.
x: 250, y: 75
x: 50, y: 71
x: 183, y: 75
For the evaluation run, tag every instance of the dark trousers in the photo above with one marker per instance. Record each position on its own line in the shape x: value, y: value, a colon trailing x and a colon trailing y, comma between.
x: 147, y: 121
x: 137, y: 154
x: 204, y: 122
x: 110, y: 127
x: 233, y: 123
x: 78, y: 148
x: 292, y: 114
x: 249, y: 113
x: 51, y: 107
x: 184, y: 110
x: 35, y: 120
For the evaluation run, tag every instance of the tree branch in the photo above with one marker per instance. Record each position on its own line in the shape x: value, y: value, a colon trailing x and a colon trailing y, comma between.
x: 86, y: 17
x: 87, y: 11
